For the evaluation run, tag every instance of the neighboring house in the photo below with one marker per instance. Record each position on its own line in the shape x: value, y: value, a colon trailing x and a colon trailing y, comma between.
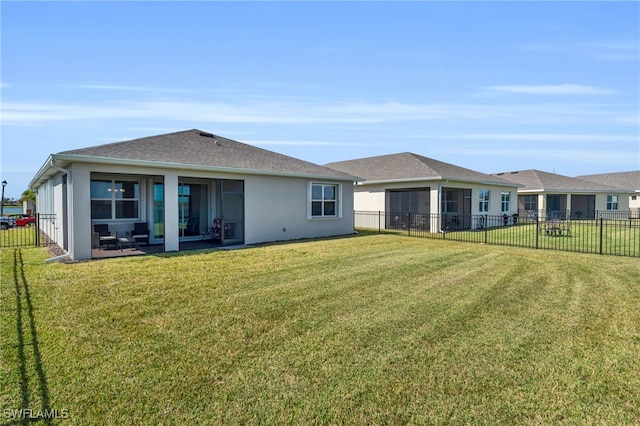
x: 626, y: 180
x: 441, y: 196
x: 547, y: 195
x: 179, y: 183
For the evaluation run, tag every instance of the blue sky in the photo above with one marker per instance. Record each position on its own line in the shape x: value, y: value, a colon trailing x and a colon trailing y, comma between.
x: 492, y: 86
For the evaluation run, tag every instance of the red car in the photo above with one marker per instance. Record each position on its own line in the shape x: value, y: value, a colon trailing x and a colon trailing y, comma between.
x: 25, y: 220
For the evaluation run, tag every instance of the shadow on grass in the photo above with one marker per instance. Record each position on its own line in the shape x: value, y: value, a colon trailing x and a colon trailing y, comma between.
x: 192, y: 249
x: 25, y: 413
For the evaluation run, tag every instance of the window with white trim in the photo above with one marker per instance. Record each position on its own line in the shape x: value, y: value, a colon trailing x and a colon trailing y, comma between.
x: 324, y: 200
x: 505, y: 202
x: 115, y: 199
x: 483, y: 201
x: 612, y: 202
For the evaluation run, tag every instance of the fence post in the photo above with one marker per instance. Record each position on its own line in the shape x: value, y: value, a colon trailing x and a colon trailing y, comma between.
x: 537, y: 232
x: 601, y: 223
x: 379, y: 226
x: 37, y: 227
x: 442, y: 229
x: 484, y: 228
x: 409, y: 224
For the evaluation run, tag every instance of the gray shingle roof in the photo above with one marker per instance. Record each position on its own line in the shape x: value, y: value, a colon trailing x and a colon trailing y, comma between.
x: 627, y: 180
x: 409, y: 166
x: 537, y: 180
x: 198, y: 148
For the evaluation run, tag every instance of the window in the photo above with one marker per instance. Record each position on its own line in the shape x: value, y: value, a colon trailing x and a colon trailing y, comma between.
x: 324, y: 200
x: 531, y: 202
x: 506, y: 201
x: 483, y: 201
x: 449, y: 200
x: 634, y: 197
x: 612, y: 202
x: 115, y: 199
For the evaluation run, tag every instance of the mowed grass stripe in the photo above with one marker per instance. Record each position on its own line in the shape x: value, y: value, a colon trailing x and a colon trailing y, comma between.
x: 371, y: 329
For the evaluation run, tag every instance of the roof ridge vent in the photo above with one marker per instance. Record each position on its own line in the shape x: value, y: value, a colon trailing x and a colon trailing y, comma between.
x: 205, y: 134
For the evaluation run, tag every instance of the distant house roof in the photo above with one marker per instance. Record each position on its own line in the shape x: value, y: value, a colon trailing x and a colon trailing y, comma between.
x: 407, y: 166
x: 538, y: 181
x: 627, y: 180
x: 194, y: 149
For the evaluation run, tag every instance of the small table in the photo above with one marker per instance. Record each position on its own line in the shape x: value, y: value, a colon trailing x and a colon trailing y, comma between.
x: 127, y: 240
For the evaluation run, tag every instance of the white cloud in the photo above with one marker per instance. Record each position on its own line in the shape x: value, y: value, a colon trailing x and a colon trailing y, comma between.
x: 256, y: 112
x: 304, y: 112
x: 629, y: 119
x: 552, y: 89
x: 550, y: 137
x: 620, y: 50
x: 126, y: 88
x: 615, y: 50
x: 542, y: 152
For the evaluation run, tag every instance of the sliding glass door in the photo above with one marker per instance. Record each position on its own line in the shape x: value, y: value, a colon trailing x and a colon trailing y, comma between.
x: 158, y: 210
x: 233, y: 211
x: 192, y: 209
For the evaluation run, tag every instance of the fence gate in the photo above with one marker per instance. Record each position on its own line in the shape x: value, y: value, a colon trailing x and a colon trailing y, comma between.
x: 39, y: 233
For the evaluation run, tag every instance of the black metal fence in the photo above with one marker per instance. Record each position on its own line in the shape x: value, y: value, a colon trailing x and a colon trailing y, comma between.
x: 40, y: 233
x: 608, y: 236
x: 633, y: 213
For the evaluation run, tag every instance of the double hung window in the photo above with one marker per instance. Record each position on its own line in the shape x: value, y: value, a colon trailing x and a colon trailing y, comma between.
x: 483, y: 201
x: 324, y: 200
x: 505, y: 202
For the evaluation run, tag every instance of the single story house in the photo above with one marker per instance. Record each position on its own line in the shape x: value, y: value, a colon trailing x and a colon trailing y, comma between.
x: 439, y: 195
x: 179, y: 184
x: 627, y: 180
x: 550, y: 195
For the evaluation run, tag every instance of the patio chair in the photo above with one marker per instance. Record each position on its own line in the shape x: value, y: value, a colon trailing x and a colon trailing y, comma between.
x: 215, y: 232
x: 102, y: 236
x: 140, y: 233
x: 193, y: 226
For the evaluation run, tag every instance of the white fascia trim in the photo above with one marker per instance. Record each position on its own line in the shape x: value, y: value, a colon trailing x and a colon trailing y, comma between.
x: 379, y: 181
x: 43, y: 169
x: 580, y: 191
x: 180, y: 166
x: 487, y: 182
x: 440, y: 178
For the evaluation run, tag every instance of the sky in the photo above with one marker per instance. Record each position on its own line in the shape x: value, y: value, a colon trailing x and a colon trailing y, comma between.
x: 491, y: 86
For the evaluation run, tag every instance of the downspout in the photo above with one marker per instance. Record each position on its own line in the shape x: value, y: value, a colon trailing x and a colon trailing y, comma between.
x: 69, y: 228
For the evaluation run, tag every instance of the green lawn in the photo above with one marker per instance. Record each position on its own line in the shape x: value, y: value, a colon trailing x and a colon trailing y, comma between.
x: 18, y: 237
x: 373, y: 329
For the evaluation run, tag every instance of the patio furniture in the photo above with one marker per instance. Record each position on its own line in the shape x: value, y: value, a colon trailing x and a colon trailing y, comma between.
x: 103, y: 236
x: 140, y: 233
x: 556, y: 227
x: 127, y: 240
x: 193, y: 226
x: 215, y: 231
